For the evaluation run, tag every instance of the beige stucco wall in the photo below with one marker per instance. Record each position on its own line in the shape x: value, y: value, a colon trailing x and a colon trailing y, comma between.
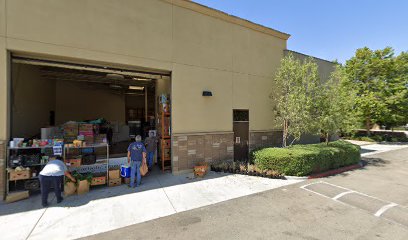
x: 203, y: 52
x: 325, y: 67
x: 3, y: 89
x: 3, y: 18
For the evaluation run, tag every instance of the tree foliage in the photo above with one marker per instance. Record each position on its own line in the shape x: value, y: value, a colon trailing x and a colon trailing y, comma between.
x: 380, y: 81
x: 297, y: 83
x: 335, y: 105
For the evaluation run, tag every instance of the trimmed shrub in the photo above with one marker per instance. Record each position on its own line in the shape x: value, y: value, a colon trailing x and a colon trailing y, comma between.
x: 303, y: 160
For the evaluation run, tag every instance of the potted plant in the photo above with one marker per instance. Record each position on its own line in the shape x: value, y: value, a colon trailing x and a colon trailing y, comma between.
x: 200, y: 169
x: 83, y: 181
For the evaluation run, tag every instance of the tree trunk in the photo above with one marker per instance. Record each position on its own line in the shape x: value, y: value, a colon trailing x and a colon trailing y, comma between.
x: 327, y: 138
x: 285, y: 133
x: 367, y: 122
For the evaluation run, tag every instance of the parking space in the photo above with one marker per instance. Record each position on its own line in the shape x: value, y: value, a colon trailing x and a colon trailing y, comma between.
x: 378, y: 207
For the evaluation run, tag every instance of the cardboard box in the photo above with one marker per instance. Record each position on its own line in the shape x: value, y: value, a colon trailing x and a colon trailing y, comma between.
x: 86, y: 127
x: 69, y: 188
x: 19, y: 175
x: 89, y: 139
x: 17, y: 196
x: 98, y: 181
x: 115, y: 182
x: 70, y: 129
x: 113, y: 174
x: 83, y: 187
x: 74, y: 162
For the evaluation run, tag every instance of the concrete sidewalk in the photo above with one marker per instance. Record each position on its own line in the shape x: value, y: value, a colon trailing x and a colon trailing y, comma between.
x: 106, y: 209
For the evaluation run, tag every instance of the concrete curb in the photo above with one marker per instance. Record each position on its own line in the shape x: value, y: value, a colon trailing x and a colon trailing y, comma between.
x: 296, y: 178
x: 335, y: 171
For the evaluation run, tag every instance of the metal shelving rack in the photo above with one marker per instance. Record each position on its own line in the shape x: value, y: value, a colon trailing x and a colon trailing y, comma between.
x: 92, y: 167
x: 9, y: 149
x: 164, y: 137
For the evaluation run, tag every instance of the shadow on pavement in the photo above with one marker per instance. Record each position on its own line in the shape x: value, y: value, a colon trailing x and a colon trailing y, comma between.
x: 376, y: 162
x: 155, y: 180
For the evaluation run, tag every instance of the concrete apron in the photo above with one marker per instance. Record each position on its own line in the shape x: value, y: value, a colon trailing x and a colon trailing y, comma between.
x: 106, y: 209
x: 367, y: 150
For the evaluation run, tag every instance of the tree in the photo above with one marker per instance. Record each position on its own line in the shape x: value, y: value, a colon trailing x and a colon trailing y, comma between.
x: 335, y: 105
x: 369, y: 72
x: 396, y: 94
x: 295, y: 100
x: 380, y: 80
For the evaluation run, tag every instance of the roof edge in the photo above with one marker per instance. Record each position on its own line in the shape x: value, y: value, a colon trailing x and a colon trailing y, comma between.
x: 321, y: 59
x: 188, y: 4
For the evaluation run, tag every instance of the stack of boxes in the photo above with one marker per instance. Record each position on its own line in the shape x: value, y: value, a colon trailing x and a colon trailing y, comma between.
x: 87, y: 130
x: 70, y: 132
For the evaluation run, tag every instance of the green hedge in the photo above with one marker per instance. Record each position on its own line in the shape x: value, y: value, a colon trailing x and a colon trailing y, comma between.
x: 303, y: 160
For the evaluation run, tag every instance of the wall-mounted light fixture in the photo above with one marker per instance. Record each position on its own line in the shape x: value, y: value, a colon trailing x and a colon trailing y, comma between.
x: 207, y: 93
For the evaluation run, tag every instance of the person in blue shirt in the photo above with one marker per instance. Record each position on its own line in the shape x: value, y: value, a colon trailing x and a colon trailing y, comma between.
x: 136, y: 155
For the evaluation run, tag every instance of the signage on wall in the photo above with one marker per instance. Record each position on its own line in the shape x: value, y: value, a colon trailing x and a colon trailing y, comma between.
x: 237, y: 140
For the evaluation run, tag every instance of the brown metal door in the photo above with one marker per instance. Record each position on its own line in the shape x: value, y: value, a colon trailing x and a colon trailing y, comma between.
x: 241, y: 135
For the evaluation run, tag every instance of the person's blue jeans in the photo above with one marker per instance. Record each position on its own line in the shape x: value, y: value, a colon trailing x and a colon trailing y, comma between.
x: 150, y: 156
x: 46, y: 182
x: 135, y: 171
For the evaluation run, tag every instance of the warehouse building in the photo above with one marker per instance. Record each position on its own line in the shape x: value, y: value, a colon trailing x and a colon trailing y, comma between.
x: 64, y: 61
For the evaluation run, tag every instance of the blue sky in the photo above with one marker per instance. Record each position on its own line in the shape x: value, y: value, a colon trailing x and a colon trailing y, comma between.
x: 328, y: 29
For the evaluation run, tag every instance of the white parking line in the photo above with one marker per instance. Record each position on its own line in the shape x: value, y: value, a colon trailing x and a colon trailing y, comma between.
x: 342, y: 194
x: 384, y: 209
x: 310, y: 184
x: 381, y: 211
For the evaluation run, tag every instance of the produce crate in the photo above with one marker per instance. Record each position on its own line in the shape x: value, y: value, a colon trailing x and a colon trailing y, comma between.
x: 19, y: 175
x: 114, y: 173
x: 74, y: 162
x: 98, y: 181
x: 16, y: 196
x: 115, y: 182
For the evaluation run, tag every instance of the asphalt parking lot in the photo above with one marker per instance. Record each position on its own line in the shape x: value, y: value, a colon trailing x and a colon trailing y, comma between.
x: 367, y: 203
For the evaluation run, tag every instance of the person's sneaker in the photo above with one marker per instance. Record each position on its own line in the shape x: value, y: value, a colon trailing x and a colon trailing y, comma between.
x: 60, y: 200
